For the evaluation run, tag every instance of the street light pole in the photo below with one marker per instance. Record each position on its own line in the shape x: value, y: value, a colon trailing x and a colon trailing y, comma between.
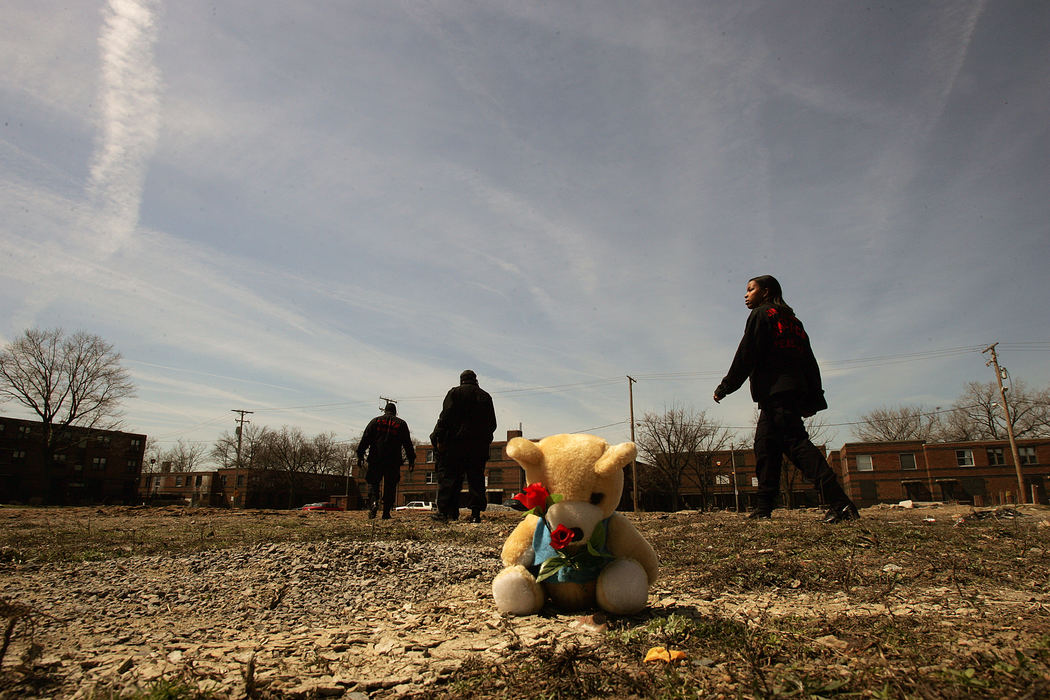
x: 736, y: 484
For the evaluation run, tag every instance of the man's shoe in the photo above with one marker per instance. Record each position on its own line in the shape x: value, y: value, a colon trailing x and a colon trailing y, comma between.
x: 760, y: 515
x: 439, y: 518
x: 386, y: 516
x: 841, y: 513
x: 474, y: 518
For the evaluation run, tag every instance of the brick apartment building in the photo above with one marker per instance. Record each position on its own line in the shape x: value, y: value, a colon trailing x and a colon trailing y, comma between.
x: 979, y: 473
x: 503, y: 476
x: 88, y: 466
x: 248, y: 488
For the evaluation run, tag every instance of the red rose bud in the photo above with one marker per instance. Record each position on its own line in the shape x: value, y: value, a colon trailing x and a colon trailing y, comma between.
x: 561, y: 537
x: 534, y: 496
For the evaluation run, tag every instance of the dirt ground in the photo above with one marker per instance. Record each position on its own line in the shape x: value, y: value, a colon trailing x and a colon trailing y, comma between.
x: 110, y: 602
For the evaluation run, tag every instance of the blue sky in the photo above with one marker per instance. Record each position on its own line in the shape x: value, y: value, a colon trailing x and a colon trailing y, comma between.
x: 297, y: 208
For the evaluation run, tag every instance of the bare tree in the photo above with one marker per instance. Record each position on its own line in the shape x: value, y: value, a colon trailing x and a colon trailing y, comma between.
x: 329, y: 455
x: 886, y: 424
x: 224, y: 451
x: 73, y: 380
x: 677, y: 444
x: 288, y: 453
x: 184, y: 456
x: 977, y: 415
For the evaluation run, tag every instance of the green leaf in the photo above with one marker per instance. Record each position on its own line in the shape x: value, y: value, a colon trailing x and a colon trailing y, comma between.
x: 598, y: 537
x: 551, y: 567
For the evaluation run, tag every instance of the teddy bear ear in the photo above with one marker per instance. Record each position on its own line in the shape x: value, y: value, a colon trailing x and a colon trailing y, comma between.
x: 616, y: 457
x: 524, y: 452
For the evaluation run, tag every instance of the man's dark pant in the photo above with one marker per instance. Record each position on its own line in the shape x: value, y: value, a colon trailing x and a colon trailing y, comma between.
x: 390, y: 475
x: 459, y: 460
x: 780, y: 432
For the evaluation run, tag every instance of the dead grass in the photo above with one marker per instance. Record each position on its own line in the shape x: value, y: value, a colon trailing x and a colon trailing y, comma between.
x: 901, y: 604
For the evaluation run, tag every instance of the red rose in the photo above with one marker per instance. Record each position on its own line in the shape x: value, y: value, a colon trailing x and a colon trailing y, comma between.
x: 534, y: 497
x: 561, y: 537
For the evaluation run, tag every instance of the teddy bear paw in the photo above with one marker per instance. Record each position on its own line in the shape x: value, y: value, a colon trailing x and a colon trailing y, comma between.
x: 516, y: 591
x: 623, y: 587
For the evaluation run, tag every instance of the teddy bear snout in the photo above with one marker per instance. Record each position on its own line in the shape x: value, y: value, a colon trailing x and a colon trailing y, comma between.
x: 577, y: 534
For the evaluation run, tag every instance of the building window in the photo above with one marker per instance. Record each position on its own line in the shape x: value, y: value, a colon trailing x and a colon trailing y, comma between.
x: 964, y: 458
x: 178, y: 481
x: 24, y: 429
x: 431, y: 477
x: 864, y: 463
x: 104, y: 439
x: 135, y: 442
x: 907, y: 461
x: 18, y: 454
x: 723, y: 479
x: 240, y: 480
x: 496, y: 475
x: 133, y: 465
x: 495, y: 454
x: 199, y: 480
x: 58, y: 459
x: 98, y: 463
x: 996, y: 456
x: 1027, y: 455
x: 430, y: 457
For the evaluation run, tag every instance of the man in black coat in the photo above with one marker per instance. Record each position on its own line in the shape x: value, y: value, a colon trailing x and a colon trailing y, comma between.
x: 775, y: 355
x: 461, y: 442
x: 385, y: 438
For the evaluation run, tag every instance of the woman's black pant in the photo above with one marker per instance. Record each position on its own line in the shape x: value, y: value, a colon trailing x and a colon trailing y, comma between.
x: 780, y: 432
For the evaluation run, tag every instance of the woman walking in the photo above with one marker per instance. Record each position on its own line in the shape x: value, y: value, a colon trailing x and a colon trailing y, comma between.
x: 775, y: 355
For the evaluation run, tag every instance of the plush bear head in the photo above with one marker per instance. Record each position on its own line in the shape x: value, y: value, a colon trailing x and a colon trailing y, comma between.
x: 583, y: 469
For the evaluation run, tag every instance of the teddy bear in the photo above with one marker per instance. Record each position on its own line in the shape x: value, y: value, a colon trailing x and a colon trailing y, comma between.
x: 572, y: 546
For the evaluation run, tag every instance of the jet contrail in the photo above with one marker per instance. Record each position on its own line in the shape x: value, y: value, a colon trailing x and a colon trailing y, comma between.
x: 129, y: 93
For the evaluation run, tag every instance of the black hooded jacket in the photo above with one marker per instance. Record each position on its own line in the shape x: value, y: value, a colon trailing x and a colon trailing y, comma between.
x: 776, y: 356
x: 467, y: 416
x: 386, y: 439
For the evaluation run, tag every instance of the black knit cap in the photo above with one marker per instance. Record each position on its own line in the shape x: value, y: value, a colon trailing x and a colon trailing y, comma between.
x: 468, y: 375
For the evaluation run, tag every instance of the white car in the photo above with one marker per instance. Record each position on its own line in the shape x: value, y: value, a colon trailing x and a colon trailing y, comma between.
x: 416, y: 505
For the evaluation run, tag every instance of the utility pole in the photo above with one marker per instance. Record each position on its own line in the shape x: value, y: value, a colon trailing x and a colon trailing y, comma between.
x: 240, y: 430
x: 999, y: 372
x: 634, y: 462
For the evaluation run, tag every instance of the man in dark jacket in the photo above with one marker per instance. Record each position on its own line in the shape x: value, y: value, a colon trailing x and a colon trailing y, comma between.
x: 776, y: 356
x: 461, y: 442
x: 385, y: 438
